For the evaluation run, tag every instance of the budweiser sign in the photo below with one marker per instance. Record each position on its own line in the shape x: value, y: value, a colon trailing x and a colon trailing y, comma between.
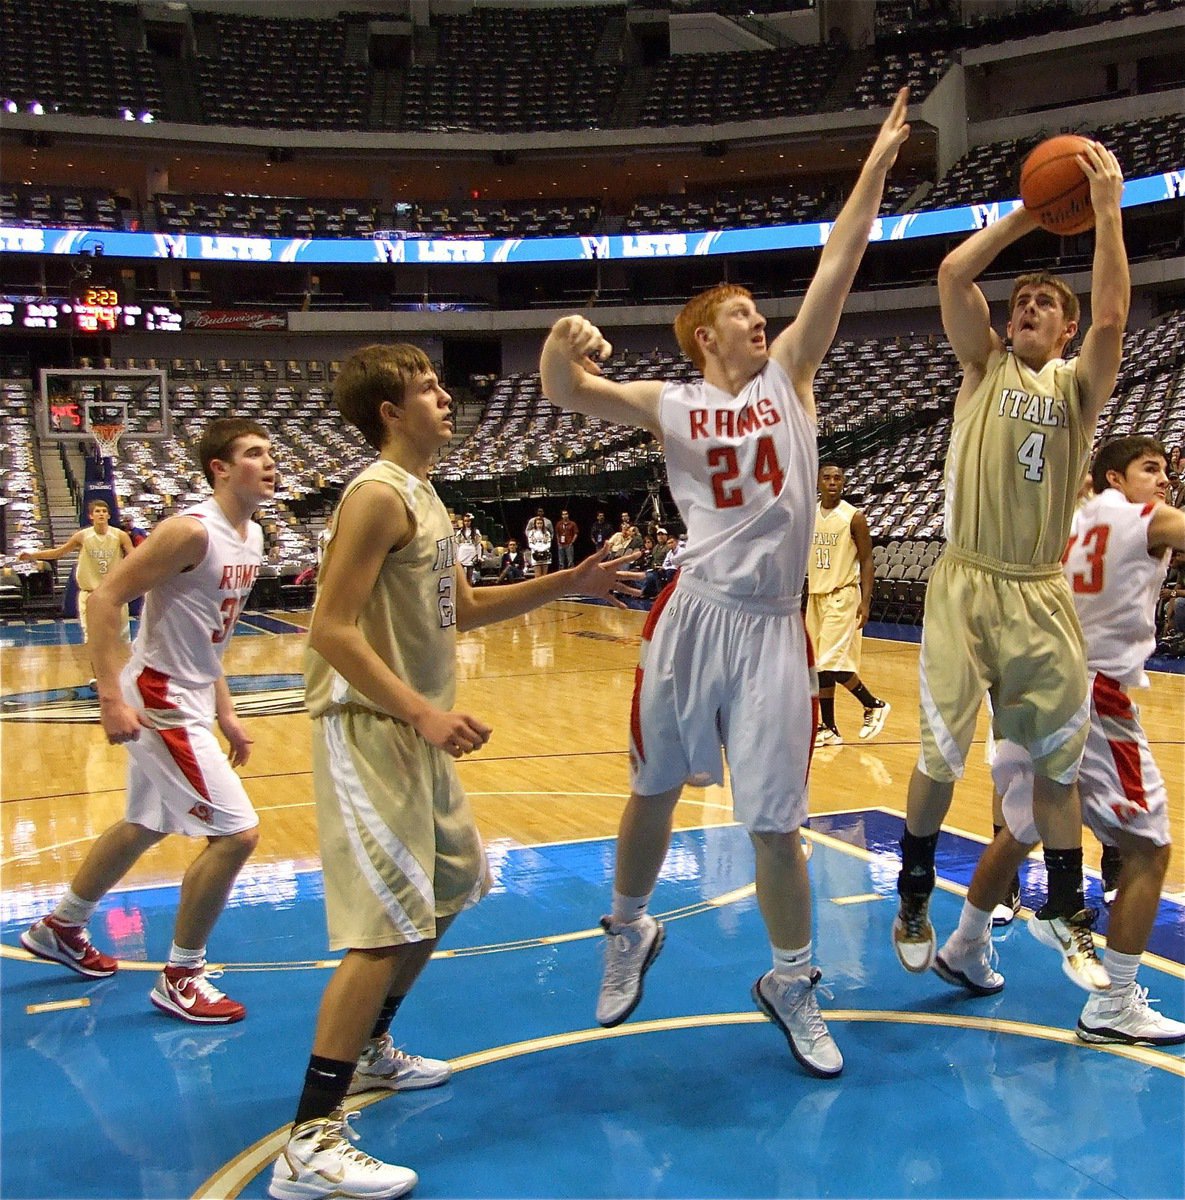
x: 235, y: 318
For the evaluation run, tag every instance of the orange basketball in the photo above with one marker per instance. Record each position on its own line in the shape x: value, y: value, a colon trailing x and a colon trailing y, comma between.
x: 1053, y: 186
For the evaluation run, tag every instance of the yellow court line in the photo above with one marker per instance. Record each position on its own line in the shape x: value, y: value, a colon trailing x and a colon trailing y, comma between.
x: 57, y: 1006
x: 228, y: 1182
x: 866, y: 898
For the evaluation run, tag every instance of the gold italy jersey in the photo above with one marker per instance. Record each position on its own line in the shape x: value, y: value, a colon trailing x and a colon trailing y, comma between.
x: 99, y: 553
x: 1017, y: 453
x: 834, y: 563
x: 410, y: 618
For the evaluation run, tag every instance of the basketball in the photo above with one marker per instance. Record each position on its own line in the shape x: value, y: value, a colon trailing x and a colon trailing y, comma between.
x: 1054, y: 188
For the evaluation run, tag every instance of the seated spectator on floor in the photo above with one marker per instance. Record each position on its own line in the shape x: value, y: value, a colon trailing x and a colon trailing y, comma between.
x: 514, y: 564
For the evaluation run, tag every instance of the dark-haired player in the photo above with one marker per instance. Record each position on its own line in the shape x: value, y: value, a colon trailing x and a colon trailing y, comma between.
x: 1120, y: 541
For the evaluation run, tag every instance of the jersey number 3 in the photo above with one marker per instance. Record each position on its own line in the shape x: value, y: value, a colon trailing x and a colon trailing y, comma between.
x: 1094, y: 547
x: 722, y: 461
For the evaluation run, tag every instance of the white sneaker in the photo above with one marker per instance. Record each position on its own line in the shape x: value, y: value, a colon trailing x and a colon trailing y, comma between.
x: 319, y: 1160
x: 1004, y: 913
x: 914, y: 940
x: 1072, y: 937
x: 969, y: 965
x: 826, y: 736
x: 791, y: 1005
x: 874, y: 720
x: 629, y: 951
x: 384, y: 1065
x: 1125, y: 1016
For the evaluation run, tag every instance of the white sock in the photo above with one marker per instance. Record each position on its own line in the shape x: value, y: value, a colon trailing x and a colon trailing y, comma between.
x: 974, y: 924
x: 627, y: 909
x: 180, y: 957
x: 792, y: 964
x: 1121, y: 967
x: 72, y: 909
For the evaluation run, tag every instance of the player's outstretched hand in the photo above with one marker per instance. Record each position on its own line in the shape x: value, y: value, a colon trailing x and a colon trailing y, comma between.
x: 583, y: 342
x: 1102, y: 168
x: 121, y: 722
x: 455, y: 733
x: 604, y: 577
x: 892, y: 134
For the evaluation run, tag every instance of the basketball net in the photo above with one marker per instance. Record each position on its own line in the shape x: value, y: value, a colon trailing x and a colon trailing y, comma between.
x: 107, y: 436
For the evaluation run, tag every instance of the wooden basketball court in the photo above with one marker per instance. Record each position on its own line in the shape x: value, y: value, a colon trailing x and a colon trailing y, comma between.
x: 556, y: 687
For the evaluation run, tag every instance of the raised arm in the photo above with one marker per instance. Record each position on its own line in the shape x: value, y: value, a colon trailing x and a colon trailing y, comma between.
x: 572, y: 379
x: 1166, y: 530
x: 1110, y: 283
x: 801, y: 346
x: 70, y: 546
x: 965, y: 315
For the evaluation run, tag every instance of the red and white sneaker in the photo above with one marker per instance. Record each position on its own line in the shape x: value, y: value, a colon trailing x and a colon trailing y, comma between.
x: 70, y: 945
x: 188, y: 994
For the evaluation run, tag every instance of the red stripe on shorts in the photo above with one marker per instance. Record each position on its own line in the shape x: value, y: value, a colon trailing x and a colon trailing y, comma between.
x: 153, y: 687
x: 181, y: 751
x: 1110, y: 700
x: 647, y: 633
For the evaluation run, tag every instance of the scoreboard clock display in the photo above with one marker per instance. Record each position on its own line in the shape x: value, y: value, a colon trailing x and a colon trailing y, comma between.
x: 97, y: 310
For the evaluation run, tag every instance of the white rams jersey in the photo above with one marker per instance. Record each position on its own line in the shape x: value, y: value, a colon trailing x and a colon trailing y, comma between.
x: 1116, y: 583
x: 188, y: 620
x: 742, y: 471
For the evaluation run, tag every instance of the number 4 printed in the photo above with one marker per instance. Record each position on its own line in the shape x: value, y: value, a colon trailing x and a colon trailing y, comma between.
x: 1031, y: 456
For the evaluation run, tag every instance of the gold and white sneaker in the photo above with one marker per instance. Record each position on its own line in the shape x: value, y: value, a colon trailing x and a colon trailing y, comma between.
x: 321, y: 1161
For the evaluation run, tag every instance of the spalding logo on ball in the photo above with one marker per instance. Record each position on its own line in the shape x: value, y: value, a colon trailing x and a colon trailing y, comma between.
x: 1054, y: 187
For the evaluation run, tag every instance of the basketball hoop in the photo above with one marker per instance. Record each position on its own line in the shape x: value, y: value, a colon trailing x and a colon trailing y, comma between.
x: 107, y: 436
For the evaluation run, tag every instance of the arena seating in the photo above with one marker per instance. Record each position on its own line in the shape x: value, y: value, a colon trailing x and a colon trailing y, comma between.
x: 992, y: 172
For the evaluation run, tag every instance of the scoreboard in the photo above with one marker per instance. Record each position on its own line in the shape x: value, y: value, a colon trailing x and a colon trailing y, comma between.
x: 98, y: 310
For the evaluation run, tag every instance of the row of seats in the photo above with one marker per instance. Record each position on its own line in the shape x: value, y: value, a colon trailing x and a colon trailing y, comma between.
x: 992, y: 171
x: 987, y: 172
x: 866, y: 388
x: 490, y: 69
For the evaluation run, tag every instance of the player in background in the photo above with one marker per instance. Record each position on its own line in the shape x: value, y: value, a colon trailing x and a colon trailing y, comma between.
x: 999, y: 616
x: 99, y: 547
x: 840, y: 578
x: 1121, y: 540
x: 195, y: 570
x: 725, y: 662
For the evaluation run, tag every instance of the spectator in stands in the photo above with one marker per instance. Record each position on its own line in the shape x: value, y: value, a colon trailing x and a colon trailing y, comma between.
x: 619, y: 542
x: 539, y: 546
x: 469, y: 541
x: 514, y: 565
x: 566, y: 533
x: 998, y: 607
x: 540, y: 516
x: 1170, y: 608
x: 725, y: 663
x: 600, y: 532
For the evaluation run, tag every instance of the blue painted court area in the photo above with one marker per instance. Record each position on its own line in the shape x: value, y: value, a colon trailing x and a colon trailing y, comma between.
x: 67, y: 631
x: 696, y: 1096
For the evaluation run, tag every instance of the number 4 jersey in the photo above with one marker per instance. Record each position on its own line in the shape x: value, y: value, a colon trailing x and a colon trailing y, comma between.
x: 1115, y: 582
x: 1017, y: 454
x: 742, y: 470
x: 188, y: 620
